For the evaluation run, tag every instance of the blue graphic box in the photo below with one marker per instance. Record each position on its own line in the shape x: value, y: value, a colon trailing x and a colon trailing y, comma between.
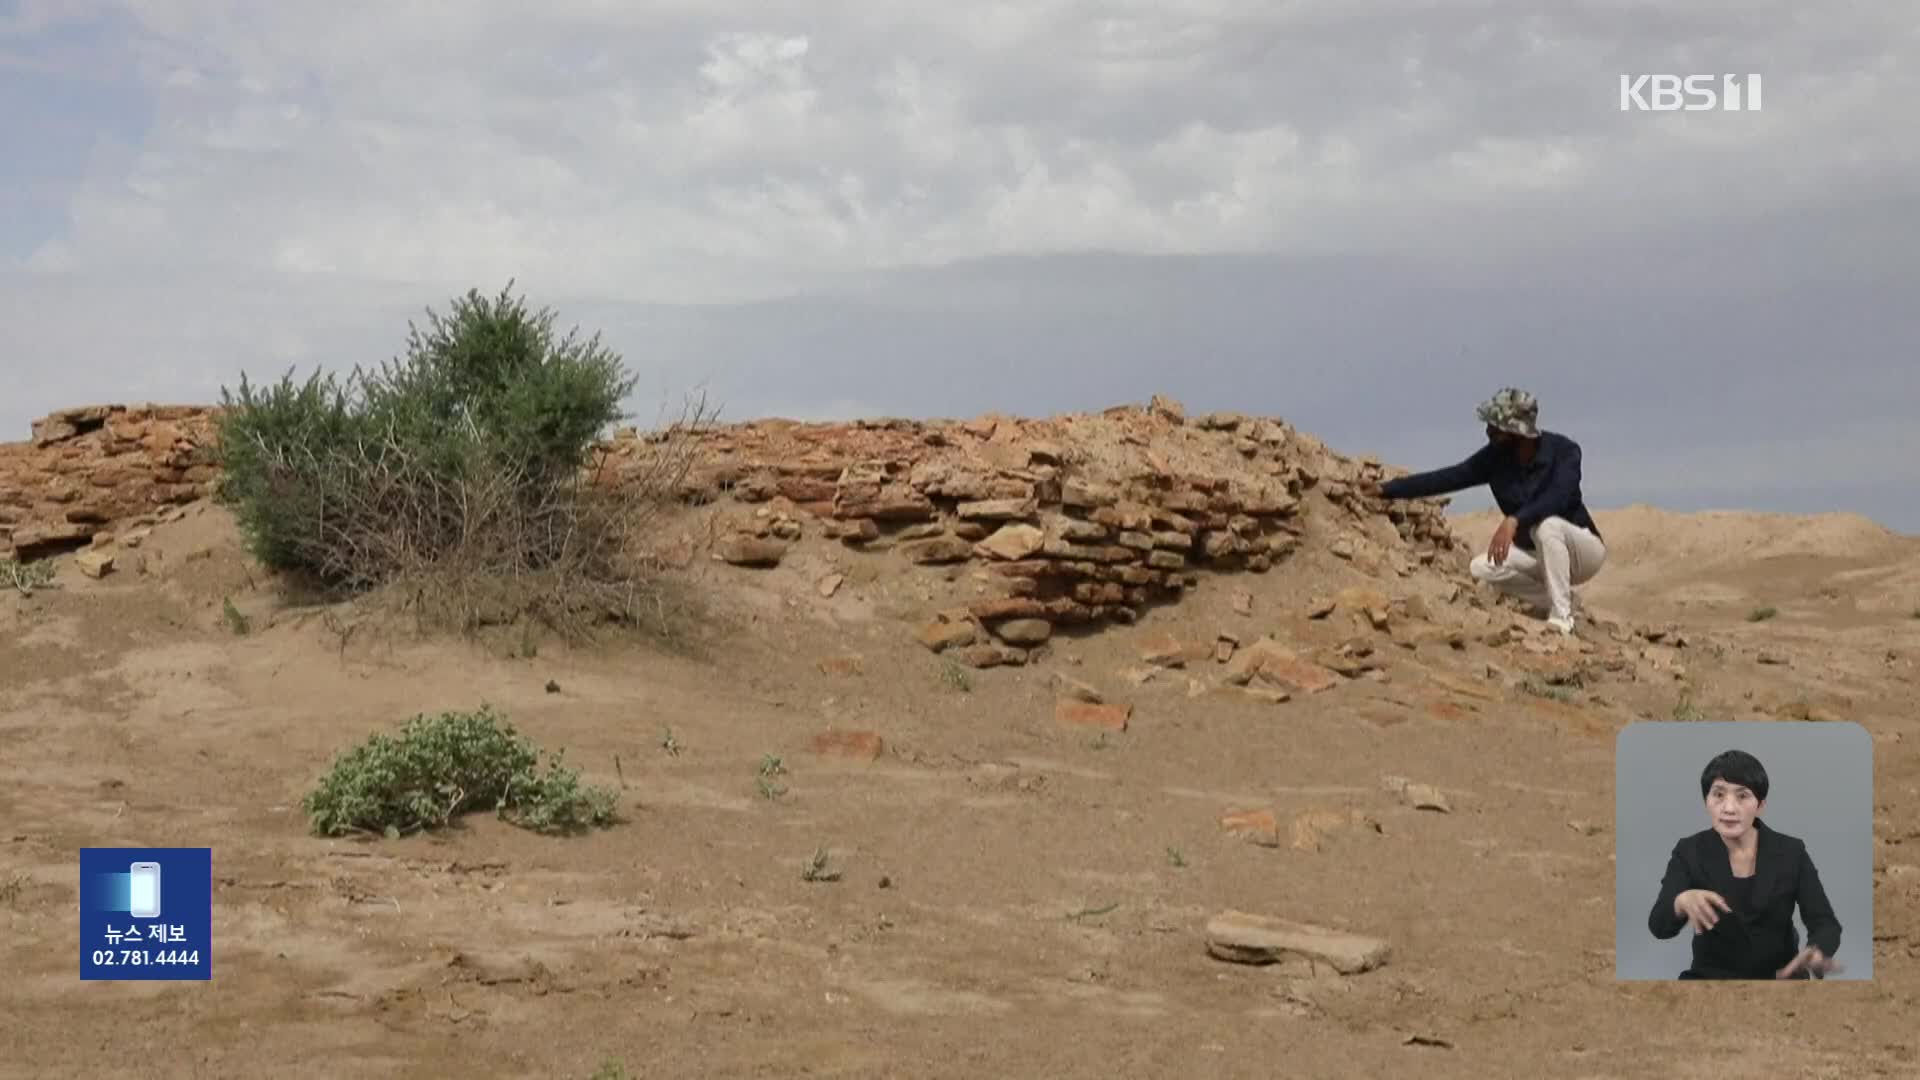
x: 146, y: 913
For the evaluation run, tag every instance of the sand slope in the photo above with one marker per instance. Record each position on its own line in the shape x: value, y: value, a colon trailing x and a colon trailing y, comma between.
x: 1019, y: 896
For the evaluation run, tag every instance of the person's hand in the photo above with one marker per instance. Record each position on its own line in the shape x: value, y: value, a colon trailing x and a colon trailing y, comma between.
x: 1502, y: 542
x: 1813, y: 960
x: 1697, y: 906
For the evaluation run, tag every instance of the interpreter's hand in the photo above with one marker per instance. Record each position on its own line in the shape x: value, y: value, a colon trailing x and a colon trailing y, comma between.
x: 1813, y: 960
x: 1697, y: 906
x: 1502, y: 542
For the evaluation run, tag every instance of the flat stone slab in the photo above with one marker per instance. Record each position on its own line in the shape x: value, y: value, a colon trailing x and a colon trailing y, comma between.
x: 1257, y: 939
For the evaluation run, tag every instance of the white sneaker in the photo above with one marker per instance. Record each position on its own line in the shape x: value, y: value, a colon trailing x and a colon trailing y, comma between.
x: 1564, y: 626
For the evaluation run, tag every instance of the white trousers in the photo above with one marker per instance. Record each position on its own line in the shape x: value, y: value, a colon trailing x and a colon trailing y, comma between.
x: 1564, y: 555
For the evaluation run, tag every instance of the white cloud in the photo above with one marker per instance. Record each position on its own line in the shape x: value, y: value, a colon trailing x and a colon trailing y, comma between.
x: 708, y: 151
x: 313, y: 175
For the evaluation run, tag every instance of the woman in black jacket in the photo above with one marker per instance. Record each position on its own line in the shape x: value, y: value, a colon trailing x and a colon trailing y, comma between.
x: 1737, y: 882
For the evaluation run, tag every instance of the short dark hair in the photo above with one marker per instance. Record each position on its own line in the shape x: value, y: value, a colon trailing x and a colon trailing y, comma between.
x: 1735, y: 767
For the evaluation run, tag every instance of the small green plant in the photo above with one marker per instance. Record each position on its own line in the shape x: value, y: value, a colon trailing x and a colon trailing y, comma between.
x: 11, y: 888
x: 236, y: 621
x: 816, y: 869
x: 670, y: 744
x: 440, y: 767
x: 955, y: 677
x: 610, y: 1069
x: 26, y: 576
x: 1686, y: 711
x: 1175, y: 858
x: 770, y: 767
x: 1762, y: 614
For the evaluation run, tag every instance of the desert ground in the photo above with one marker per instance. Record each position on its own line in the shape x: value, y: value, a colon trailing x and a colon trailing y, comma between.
x: 1007, y: 892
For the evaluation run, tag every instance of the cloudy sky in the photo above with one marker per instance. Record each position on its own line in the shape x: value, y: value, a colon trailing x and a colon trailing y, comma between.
x: 1362, y: 216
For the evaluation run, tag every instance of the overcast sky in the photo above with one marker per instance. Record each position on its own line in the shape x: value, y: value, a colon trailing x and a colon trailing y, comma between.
x: 1363, y: 216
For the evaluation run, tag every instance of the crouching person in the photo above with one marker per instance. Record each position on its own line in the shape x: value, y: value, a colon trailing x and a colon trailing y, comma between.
x: 1547, y: 544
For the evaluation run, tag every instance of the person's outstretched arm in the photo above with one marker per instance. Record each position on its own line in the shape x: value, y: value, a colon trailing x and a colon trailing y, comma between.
x: 1445, y: 481
x: 1556, y: 493
x: 1663, y: 921
x: 1823, y: 927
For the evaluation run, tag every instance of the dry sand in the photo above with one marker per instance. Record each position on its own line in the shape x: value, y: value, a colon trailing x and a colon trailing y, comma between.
x: 1018, y: 897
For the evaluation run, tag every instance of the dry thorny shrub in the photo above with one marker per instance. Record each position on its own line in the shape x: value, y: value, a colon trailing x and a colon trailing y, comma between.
x: 465, y: 481
x: 492, y: 543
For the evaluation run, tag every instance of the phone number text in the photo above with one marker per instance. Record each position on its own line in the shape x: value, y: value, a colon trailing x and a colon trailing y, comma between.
x: 144, y: 957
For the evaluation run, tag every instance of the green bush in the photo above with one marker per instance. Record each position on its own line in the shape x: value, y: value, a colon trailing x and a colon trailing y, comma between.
x: 459, y: 470
x: 440, y: 767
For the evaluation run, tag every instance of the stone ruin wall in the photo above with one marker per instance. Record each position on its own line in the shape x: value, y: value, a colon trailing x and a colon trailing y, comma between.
x: 89, y: 472
x: 1080, y: 518
x: 1085, y: 518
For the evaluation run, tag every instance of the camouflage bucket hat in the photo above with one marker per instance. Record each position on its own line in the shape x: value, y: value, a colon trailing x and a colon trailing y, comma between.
x: 1512, y: 411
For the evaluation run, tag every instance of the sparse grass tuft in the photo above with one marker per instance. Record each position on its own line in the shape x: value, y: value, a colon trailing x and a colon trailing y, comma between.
x: 1686, y: 711
x: 816, y: 868
x: 955, y: 677
x: 770, y: 767
x: 11, y: 888
x: 1175, y: 858
x: 236, y: 622
x: 1801, y: 708
x: 440, y: 767
x: 610, y: 1069
x: 1539, y: 687
x: 26, y: 576
x: 1762, y: 614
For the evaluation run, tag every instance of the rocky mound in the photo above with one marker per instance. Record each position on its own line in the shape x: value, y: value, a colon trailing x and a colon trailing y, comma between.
x: 1031, y: 524
x: 1079, y: 518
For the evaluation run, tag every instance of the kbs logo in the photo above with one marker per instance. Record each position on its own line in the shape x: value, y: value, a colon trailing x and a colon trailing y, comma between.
x: 1690, y: 93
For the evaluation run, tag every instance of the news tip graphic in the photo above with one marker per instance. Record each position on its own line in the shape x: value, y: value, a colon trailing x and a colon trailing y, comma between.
x: 146, y: 913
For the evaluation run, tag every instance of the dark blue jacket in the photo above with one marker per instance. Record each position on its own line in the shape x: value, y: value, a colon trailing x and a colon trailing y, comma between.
x: 1549, y: 487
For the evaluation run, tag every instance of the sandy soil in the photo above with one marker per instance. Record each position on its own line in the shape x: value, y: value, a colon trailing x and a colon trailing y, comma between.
x: 1018, y: 897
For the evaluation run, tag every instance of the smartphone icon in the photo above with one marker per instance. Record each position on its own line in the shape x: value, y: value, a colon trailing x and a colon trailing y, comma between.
x: 143, y: 892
